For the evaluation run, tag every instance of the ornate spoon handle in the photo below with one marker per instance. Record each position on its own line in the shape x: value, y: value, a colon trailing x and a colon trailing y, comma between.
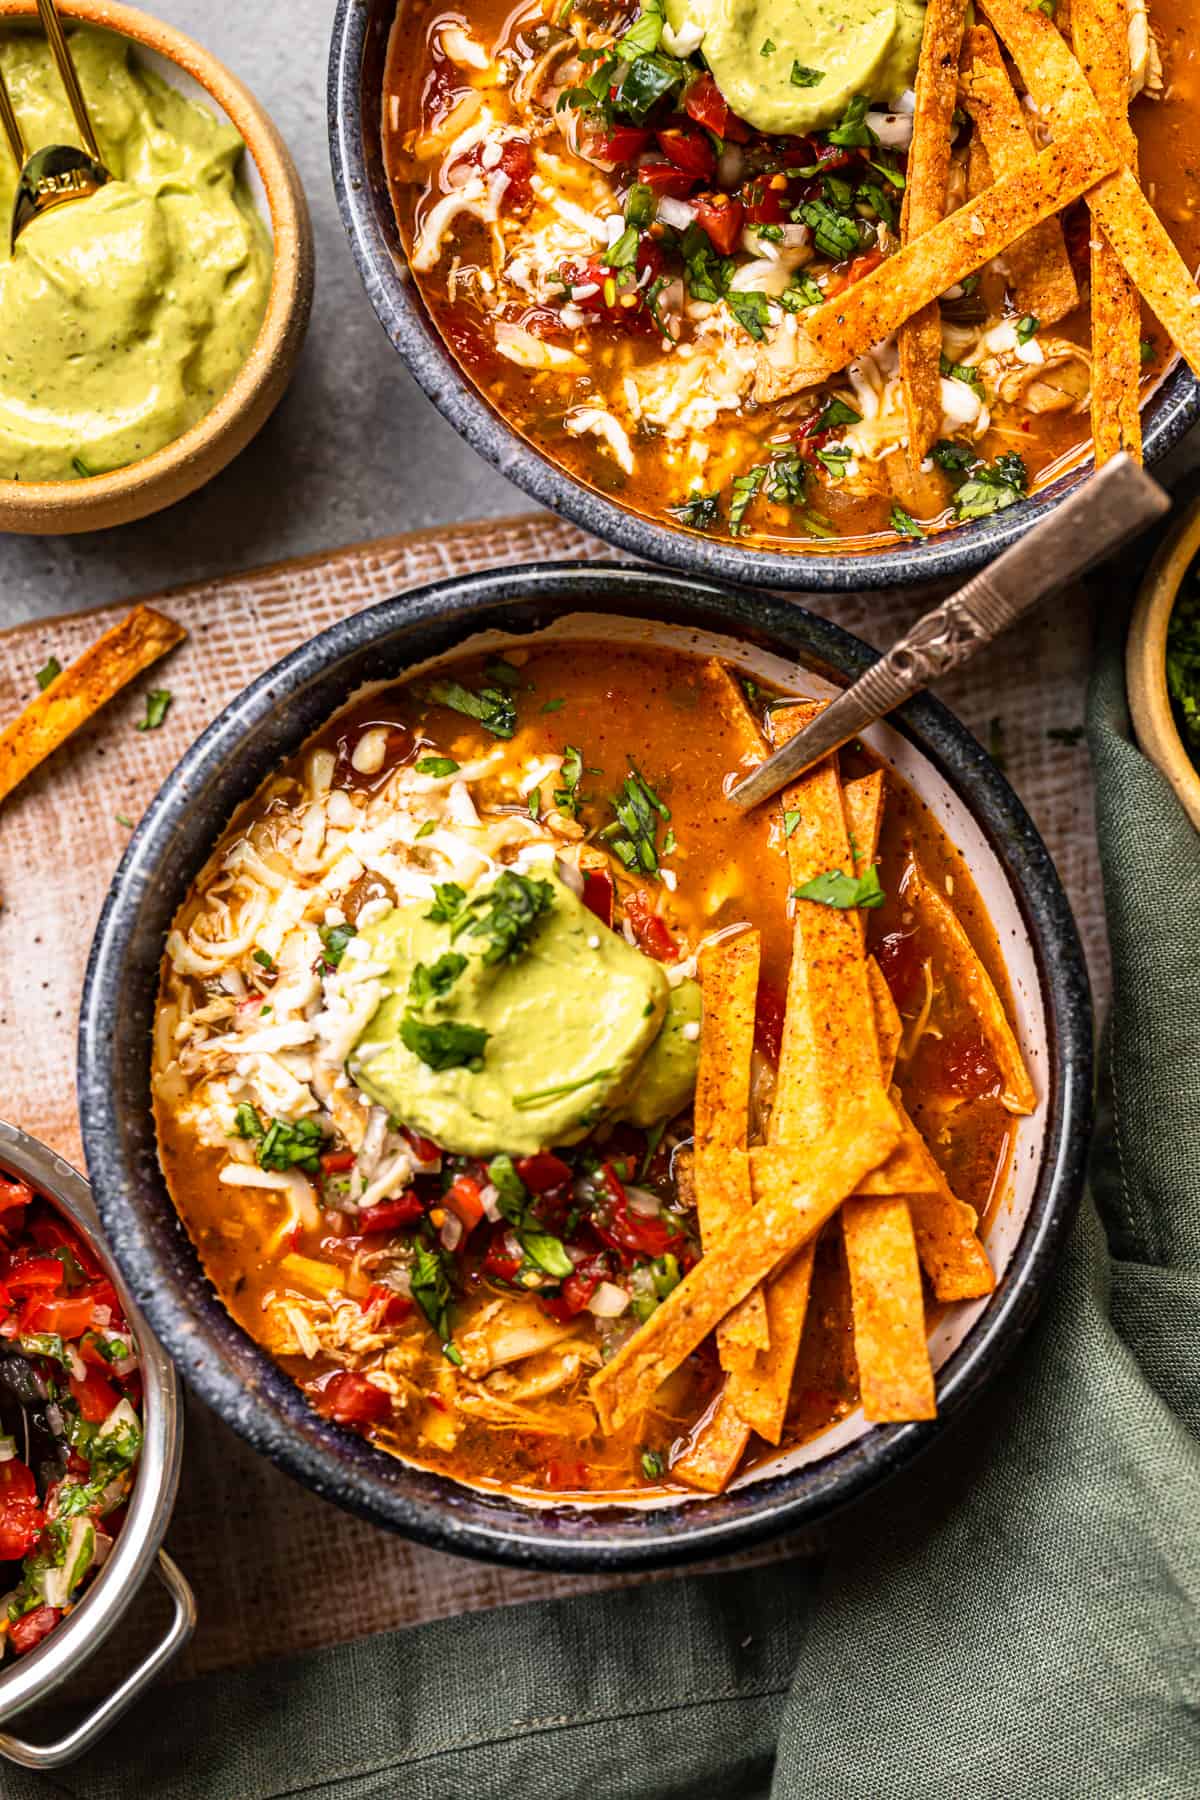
x: 1119, y: 500
x: 65, y: 63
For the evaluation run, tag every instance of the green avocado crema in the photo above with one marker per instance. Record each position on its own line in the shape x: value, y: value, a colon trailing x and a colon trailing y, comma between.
x: 580, y: 1027
x: 125, y: 317
x: 792, y: 66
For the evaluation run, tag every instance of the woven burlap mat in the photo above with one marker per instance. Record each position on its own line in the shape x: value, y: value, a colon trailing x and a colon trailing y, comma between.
x: 275, y: 1569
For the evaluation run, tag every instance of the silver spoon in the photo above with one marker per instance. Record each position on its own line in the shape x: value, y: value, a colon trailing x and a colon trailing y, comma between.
x: 1118, y: 501
x: 59, y: 172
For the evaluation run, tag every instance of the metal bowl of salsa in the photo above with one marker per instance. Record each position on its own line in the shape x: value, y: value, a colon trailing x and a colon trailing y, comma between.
x: 52, y: 1644
x: 795, y: 494
x: 227, y: 1295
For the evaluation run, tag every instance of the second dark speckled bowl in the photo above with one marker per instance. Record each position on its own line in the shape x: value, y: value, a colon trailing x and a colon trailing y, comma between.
x: 360, y: 37
x: 271, y: 720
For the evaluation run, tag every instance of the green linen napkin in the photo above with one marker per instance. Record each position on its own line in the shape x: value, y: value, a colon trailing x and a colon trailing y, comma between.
x: 1018, y: 1618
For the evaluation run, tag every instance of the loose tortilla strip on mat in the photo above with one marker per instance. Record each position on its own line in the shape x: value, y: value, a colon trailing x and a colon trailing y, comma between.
x: 947, y: 1231
x: 962, y: 960
x: 795, y: 1193
x: 1039, y: 269
x: 728, y: 973
x: 1100, y: 35
x: 1141, y: 241
x: 895, y: 1376
x: 86, y: 685
x: 927, y: 175
x: 878, y: 305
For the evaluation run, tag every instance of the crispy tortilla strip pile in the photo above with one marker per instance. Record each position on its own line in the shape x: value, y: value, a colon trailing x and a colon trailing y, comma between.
x: 1039, y: 268
x: 76, y: 695
x: 920, y: 340
x: 1099, y: 30
x: 875, y: 307
x: 1142, y: 243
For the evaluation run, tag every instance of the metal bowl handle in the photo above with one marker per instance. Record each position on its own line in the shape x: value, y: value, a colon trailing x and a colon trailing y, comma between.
x: 85, y: 1734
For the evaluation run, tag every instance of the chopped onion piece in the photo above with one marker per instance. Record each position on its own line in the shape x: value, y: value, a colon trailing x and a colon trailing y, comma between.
x: 675, y: 213
x: 609, y: 1301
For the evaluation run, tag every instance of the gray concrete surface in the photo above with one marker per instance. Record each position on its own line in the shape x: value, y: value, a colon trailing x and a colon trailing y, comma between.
x: 354, y: 451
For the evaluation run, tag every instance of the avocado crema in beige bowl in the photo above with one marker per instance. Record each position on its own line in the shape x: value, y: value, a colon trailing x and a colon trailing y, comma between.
x: 124, y: 317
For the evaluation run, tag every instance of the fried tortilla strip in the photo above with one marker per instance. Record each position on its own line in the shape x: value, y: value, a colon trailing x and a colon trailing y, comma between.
x: 1140, y: 239
x: 717, y: 1447
x: 795, y: 1193
x: 76, y: 695
x: 1100, y: 35
x: 946, y: 1230
x: 1039, y: 269
x: 927, y: 175
x: 828, y: 1048
x: 878, y: 305
x: 895, y: 1376
x: 889, y: 1026
x: 729, y: 988
x: 961, y: 962
x: 730, y: 697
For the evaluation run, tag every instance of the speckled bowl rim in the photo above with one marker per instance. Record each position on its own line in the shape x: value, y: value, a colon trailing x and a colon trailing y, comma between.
x: 1146, y: 655
x: 219, y: 1360
x: 393, y: 293
x: 189, y: 461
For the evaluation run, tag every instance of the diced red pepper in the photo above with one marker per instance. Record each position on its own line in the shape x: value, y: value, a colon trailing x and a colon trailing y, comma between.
x: 394, y: 1307
x: 625, y: 1231
x: 854, y: 272
x: 21, y: 1514
x: 337, y: 1162
x: 68, y: 1316
x: 516, y: 160
x: 765, y: 203
x: 50, y: 1233
x: 503, y: 1260
x: 598, y: 893
x: 665, y: 178
x: 619, y: 144
x: 27, y: 1632
x: 705, y: 103
x: 35, y: 1275
x: 94, y: 1396
x: 542, y: 1173
x: 652, y: 934
x: 13, y: 1192
x: 423, y: 1148
x: 350, y: 1399
x: 768, y: 1020
x: 462, y: 1198
x: 689, y: 150
x: 577, y: 1289
x: 721, y: 218
x: 391, y: 1215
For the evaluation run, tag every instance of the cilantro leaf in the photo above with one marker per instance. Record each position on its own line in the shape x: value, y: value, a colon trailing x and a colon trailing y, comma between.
x: 494, y: 708
x: 701, y: 511
x: 904, y: 523
x: 334, y: 939
x: 432, y: 981
x: 836, y: 237
x: 158, y: 700
x: 805, y: 78
x: 448, y: 1045
x: 439, y: 766
x: 49, y: 671
x: 843, y: 891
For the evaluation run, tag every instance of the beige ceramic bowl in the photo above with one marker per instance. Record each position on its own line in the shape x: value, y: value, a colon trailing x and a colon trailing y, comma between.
x: 1146, y: 660
x: 183, y: 466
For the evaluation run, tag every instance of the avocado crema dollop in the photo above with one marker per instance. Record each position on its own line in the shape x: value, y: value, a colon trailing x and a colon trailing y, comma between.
x: 126, y: 316
x: 792, y: 66
x: 515, y: 1021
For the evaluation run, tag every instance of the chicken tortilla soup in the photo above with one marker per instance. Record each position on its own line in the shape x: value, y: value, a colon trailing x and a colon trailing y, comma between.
x: 557, y: 1126
x: 804, y: 275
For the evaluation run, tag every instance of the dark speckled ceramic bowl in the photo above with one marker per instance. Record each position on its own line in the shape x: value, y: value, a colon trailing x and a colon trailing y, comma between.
x: 360, y: 38
x: 777, y: 640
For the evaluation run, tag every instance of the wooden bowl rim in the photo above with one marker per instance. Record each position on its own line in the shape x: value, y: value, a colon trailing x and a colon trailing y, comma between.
x: 1146, y: 660
x: 188, y: 461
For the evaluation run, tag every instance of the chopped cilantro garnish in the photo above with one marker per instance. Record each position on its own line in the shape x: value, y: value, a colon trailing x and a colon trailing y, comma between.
x: 790, y: 822
x: 965, y: 372
x: 439, y: 766
x: 805, y: 78
x: 431, y: 981
x: 701, y: 511
x: 506, y: 913
x: 567, y: 798
x: 432, y: 1290
x: 246, y: 1122
x: 494, y: 708
x: 853, y: 132
x: 652, y: 1465
x: 288, y: 1146
x: 549, y: 706
x: 158, y: 701
x: 745, y: 487
x: 448, y: 900
x: 449, y: 1045
x: 835, y: 236
x: 633, y: 834
x: 904, y: 523
x: 951, y: 456
x: 48, y: 672
x: 427, y: 829
x: 835, y: 414
x: 334, y: 939
x: 767, y: 48
x: 749, y: 308
x: 835, y: 888
x: 1027, y: 327
x: 263, y: 960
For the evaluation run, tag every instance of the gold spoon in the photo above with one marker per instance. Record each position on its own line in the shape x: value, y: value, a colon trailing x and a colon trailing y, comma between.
x: 60, y: 172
